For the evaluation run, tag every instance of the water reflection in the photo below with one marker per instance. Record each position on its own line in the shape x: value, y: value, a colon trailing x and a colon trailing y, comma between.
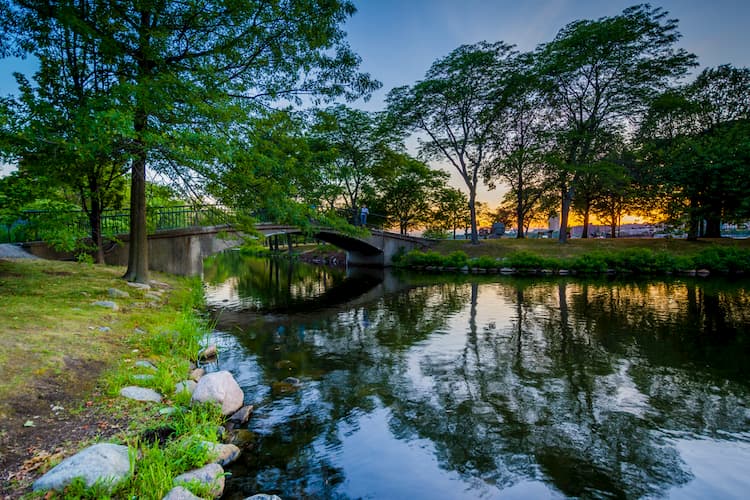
x: 461, y: 388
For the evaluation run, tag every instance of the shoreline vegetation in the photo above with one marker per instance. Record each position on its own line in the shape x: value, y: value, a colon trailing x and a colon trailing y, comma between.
x: 67, y: 360
x: 645, y: 256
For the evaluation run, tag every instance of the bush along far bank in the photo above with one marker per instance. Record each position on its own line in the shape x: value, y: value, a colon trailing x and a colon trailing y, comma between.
x: 642, y: 261
x: 181, y: 419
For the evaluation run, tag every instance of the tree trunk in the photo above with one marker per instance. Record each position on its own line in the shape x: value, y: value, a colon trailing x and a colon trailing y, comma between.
x: 519, y: 208
x: 694, y: 222
x: 95, y: 221
x: 713, y: 227
x: 586, y: 217
x: 473, y: 215
x: 138, y: 251
x: 567, y: 198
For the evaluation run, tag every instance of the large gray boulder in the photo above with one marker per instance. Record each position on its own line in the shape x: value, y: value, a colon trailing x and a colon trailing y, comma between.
x: 140, y: 394
x: 219, y: 387
x: 224, y: 454
x: 104, y: 462
x: 180, y: 493
x: 211, y: 475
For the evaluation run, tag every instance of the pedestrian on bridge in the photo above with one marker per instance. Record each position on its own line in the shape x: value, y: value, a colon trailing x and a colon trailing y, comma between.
x: 363, y: 215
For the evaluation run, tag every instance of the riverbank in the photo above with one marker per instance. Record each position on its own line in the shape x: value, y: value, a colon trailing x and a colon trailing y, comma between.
x: 590, y: 256
x: 73, y: 336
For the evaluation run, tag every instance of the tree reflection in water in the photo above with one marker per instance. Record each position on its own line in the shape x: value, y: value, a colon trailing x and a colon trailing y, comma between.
x: 580, y: 388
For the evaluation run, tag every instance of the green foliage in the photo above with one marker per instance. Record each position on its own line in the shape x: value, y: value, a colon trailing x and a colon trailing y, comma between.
x: 485, y: 262
x: 523, y: 260
x: 590, y: 263
x: 418, y: 258
x: 723, y: 259
x: 456, y: 259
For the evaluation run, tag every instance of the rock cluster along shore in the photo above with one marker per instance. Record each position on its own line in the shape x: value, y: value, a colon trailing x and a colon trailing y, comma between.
x: 108, y: 464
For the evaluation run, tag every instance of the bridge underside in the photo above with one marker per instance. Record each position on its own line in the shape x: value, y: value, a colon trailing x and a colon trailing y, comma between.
x: 375, y: 250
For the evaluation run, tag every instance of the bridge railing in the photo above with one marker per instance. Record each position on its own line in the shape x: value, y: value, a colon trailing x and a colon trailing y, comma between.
x: 35, y: 225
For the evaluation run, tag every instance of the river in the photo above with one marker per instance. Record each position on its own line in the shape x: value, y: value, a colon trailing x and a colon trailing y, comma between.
x: 426, y: 386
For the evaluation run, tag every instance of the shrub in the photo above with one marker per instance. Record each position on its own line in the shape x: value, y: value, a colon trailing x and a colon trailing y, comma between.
x: 526, y: 261
x: 723, y: 259
x: 590, y: 263
x: 456, y: 259
x: 484, y: 262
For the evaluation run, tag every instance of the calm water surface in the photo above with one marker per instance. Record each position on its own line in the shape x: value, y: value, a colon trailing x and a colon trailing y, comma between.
x: 485, y: 387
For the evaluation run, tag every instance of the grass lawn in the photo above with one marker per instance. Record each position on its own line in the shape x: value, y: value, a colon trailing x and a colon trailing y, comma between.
x: 577, y: 247
x: 59, y: 348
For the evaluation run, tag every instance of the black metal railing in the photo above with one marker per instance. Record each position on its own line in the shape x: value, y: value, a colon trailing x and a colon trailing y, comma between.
x: 33, y: 225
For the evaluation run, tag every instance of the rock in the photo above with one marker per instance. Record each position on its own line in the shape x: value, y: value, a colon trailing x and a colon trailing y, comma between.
x: 117, y: 294
x: 152, y: 296
x: 196, y: 374
x: 220, y: 387
x: 242, y: 415
x: 507, y: 270
x: 139, y: 331
x: 703, y: 272
x: 292, y: 381
x: 104, y: 329
x: 105, y: 462
x: 140, y: 394
x: 208, y: 352
x: 105, y: 303
x: 225, y: 453
x: 139, y: 286
x: 563, y: 272
x: 243, y: 438
x: 145, y: 364
x: 180, y: 493
x: 263, y: 496
x: 185, y: 385
x: 160, y: 284
x: 211, y: 475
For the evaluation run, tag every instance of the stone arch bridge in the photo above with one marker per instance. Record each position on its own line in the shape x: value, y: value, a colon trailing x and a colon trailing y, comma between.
x: 180, y: 251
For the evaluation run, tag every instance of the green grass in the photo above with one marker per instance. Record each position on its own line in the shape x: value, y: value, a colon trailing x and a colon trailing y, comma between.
x: 49, y: 323
x: 633, y: 255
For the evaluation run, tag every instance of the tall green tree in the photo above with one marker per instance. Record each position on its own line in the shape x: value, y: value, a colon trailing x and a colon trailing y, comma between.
x: 457, y: 108
x: 599, y: 74
x: 696, y: 146
x: 194, y: 69
x: 522, y: 143
x: 360, y: 148
x: 70, y: 130
x: 450, y: 210
x: 408, y: 195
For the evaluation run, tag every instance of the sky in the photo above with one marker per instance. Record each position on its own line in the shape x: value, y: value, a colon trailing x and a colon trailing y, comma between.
x: 398, y: 40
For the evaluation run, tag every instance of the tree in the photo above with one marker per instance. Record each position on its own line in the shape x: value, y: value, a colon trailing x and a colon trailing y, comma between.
x: 457, y: 107
x: 450, y: 210
x: 194, y: 69
x: 70, y: 130
x: 407, y: 196
x: 596, y: 75
x: 696, y: 144
x: 358, y: 144
x: 522, y: 143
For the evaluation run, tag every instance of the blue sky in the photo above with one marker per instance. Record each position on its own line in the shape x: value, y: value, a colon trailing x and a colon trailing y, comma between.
x: 399, y: 39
